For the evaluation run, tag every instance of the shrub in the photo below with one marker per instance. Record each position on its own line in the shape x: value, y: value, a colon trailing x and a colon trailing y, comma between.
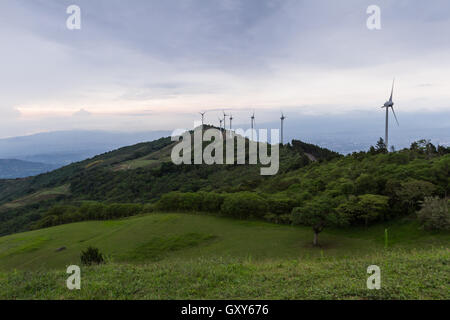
x: 190, y: 201
x: 244, y: 205
x: 118, y: 210
x: 434, y: 214
x: 177, y: 201
x: 92, y: 211
x: 212, y: 202
x: 279, y: 219
x: 281, y: 206
x: 169, y: 201
x: 91, y: 256
x: 148, y: 208
x: 59, y: 210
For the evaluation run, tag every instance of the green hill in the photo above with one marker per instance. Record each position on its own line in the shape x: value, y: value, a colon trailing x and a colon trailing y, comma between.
x: 140, y: 173
x: 195, y: 256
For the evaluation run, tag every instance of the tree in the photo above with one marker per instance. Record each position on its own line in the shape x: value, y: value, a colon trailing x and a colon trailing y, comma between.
x: 434, y: 214
x: 366, y: 183
x: 413, y: 191
x: 381, y: 146
x: 365, y: 208
x: 243, y: 205
x: 318, y: 213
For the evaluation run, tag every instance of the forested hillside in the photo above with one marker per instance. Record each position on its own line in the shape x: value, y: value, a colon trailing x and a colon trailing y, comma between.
x: 361, y: 188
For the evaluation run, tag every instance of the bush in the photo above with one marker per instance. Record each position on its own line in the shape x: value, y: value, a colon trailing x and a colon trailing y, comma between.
x: 91, y: 256
x: 190, y: 201
x: 169, y: 201
x: 92, y: 211
x: 119, y: 210
x: 148, y: 208
x: 278, y: 219
x: 434, y: 214
x: 281, y: 206
x: 212, y: 202
x: 244, y: 205
x: 177, y: 201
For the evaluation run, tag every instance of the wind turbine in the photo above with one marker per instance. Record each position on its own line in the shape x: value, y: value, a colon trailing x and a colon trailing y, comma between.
x: 252, y: 118
x: 282, y: 120
x: 221, y: 120
x: 224, y: 120
x: 203, y: 116
x: 231, y: 121
x: 387, y: 105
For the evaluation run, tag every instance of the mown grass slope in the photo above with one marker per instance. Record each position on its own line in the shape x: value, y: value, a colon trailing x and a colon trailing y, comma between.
x: 187, y: 256
x: 170, y: 237
x: 421, y: 274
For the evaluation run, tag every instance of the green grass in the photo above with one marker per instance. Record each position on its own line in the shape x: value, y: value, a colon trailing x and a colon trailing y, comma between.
x: 44, y: 194
x: 165, y: 256
x: 137, y: 163
x: 153, y: 159
x: 157, y: 247
x: 404, y: 275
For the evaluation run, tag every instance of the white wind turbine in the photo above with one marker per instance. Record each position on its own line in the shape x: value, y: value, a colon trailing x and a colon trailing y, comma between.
x: 203, y: 116
x: 389, y: 104
x: 224, y: 120
x: 282, y: 120
x: 252, y: 118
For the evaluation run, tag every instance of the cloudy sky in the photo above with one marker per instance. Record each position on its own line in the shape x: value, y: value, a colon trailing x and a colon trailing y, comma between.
x: 153, y: 64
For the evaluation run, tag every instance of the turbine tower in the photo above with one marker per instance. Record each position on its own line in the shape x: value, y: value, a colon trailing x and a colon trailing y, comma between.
x: 224, y: 121
x: 387, y: 105
x: 282, y: 120
x: 231, y: 121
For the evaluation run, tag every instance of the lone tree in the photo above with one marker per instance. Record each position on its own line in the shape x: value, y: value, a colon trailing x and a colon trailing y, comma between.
x: 318, y: 213
x: 381, y: 146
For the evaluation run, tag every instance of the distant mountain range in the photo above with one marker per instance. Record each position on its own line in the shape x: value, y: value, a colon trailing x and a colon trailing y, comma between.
x: 34, y: 154
x: 13, y: 168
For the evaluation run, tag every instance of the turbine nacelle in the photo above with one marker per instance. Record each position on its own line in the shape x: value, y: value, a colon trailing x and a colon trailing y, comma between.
x: 388, y: 104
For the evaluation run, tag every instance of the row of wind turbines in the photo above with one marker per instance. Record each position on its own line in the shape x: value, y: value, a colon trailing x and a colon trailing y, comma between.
x: 252, y: 122
x: 387, y: 105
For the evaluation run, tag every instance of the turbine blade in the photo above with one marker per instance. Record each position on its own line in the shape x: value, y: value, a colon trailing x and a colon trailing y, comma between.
x: 395, y: 116
x: 392, y: 91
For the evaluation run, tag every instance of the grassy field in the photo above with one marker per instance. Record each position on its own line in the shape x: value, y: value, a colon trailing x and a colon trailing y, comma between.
x: 165, y: 256
x: 41, y: 195
x: 153, y: 159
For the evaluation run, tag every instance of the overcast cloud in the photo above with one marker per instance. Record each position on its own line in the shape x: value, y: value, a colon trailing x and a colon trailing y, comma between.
x: 140, y: 65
